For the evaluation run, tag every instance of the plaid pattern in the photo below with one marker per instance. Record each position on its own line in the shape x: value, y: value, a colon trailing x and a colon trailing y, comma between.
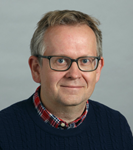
x: 51, y: 119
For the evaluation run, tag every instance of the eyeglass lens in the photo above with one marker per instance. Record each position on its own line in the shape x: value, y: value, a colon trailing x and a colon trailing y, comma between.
x: 63, y: 63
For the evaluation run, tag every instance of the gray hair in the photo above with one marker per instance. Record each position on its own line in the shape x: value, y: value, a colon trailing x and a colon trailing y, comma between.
x: 63, y: 17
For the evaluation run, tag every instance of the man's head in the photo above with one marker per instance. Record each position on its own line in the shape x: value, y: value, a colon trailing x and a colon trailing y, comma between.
x: 64, y: 17
x: 69, y: 34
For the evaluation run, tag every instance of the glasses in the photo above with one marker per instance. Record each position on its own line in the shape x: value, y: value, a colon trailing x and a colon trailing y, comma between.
x: 63, y: 63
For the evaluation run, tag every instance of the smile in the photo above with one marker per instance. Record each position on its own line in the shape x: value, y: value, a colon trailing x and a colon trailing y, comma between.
x: 71, y: 86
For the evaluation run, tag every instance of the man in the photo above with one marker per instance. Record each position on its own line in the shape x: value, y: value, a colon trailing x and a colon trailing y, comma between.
x: 66, y: 59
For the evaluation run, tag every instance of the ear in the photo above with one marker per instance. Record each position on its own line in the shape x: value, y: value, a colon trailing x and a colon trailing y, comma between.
x: 35, y: 68
x: 98, y: 71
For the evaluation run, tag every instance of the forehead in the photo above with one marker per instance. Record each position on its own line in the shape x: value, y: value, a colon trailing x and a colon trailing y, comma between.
x: 66, y: 39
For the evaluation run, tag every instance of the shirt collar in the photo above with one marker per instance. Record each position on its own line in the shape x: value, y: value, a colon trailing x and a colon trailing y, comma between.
x: 51, y: 119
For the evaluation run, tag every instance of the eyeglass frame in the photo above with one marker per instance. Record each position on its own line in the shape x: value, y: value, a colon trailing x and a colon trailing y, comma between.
x: 72, y: 60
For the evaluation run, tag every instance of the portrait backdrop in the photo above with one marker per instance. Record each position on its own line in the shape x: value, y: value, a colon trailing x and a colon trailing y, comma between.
x: 18, y: 21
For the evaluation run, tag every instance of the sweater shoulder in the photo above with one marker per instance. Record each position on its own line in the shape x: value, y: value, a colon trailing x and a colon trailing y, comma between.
x: 101, y: 108
x: 112, y: 122
x: 107, y: 114
x: 104, y: 112
x: 11, y: 111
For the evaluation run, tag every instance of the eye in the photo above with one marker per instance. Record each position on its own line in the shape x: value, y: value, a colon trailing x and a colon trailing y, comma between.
x: 84, y: 61
x: 60, y: 60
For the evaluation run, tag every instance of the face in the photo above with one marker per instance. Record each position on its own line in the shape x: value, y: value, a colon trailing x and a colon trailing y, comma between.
x: 72, y: 87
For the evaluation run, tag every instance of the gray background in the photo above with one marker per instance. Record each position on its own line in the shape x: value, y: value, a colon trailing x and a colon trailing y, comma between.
x: 18, y: 20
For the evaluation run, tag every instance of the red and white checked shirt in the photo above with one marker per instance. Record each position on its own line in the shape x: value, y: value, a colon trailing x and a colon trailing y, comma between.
x: 51, y: 119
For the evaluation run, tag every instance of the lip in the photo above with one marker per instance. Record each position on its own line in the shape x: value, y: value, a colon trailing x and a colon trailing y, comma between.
x: 71, y: 86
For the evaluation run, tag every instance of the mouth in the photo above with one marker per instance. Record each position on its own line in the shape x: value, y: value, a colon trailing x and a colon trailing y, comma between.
x: 71, y: 86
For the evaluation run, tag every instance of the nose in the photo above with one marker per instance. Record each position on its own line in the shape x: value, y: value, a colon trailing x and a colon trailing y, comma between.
x: 73, y: 71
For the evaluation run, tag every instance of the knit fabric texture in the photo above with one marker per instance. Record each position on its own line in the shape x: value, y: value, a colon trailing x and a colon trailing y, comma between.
x: 21, y: 128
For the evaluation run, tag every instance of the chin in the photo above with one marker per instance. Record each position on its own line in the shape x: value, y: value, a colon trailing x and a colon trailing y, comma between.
x: 72, y: 101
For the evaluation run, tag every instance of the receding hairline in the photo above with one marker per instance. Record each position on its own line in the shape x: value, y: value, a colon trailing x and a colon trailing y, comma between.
x: 59, y: 18
x: 55, y: 27
x: 70, y: 25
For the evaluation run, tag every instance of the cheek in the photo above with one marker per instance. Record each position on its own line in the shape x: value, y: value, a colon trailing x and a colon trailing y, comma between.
x: 91, y: 84
x: 52, y: 79
x: 90, y: 78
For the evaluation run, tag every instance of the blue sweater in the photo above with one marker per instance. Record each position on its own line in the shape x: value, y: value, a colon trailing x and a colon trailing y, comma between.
x: 21, y: 128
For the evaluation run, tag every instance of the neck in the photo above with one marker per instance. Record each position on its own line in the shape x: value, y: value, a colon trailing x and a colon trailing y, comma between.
x: 68, y: 114
x: 65, y: 111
